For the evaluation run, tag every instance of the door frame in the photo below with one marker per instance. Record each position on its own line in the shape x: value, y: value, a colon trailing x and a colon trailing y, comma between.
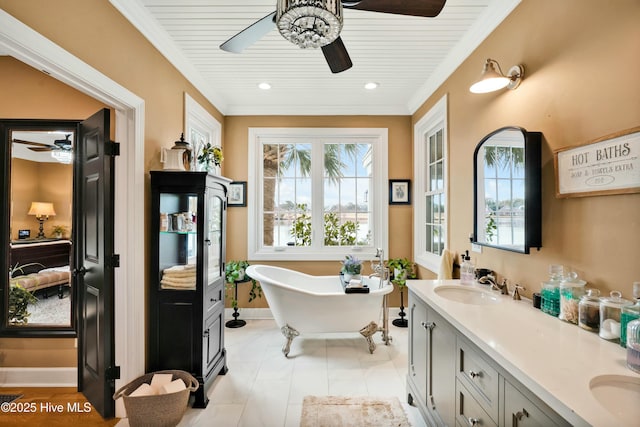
x: 30, y: 47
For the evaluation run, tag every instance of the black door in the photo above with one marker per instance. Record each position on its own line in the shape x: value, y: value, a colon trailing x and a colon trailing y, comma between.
x: 95, y: 261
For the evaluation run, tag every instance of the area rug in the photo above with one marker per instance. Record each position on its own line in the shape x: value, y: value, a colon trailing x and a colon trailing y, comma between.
x: 7, y: 398
x: 342, y: 411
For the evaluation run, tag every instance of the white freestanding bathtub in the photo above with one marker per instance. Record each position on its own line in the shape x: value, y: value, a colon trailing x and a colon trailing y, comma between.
x: 302, y: 303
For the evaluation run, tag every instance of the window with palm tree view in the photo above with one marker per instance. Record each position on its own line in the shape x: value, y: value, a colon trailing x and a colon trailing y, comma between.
x: 318, y: 193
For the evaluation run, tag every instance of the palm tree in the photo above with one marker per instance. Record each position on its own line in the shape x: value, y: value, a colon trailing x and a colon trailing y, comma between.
x: 280, y: 157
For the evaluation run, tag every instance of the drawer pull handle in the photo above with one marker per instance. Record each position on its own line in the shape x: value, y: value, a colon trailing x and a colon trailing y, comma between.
x: 473, y: 374
x: 473, y: 421
x: 518, y: 416
x: 427, y: 325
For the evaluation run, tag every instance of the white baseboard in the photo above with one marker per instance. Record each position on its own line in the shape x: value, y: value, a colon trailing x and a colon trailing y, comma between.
x: 38, y: 377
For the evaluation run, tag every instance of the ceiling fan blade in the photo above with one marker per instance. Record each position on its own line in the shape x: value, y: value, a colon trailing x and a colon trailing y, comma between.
x: 337, y: 56
x: 35, y: 144
x: 250, y: 35
x: 42, y: 149
x: 424, y: 8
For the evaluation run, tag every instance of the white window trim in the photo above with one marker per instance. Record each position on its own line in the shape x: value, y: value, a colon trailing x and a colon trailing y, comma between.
x: 255, y: 250
x: 196, y: 117
x: 434, y: 118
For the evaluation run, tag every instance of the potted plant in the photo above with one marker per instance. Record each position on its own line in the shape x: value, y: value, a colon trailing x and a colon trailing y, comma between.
x: 403, y: 269
x: 351, y: 267
x: 234, y: 273
x: 19, y: 298
x: 211, y: 155
x: 59, y: 231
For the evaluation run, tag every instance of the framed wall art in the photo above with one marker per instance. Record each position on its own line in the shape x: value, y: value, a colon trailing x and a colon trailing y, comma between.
x: 237, y: 195
x: 399, y: 192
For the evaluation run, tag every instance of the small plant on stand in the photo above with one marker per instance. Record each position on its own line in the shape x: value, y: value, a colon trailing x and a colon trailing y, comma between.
x: 234, y: 273
x: 351, y: 267
x: 402, y: 269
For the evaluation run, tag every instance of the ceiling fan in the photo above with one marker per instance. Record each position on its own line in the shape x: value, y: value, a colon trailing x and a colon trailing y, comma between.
x: 58, y: 145
x: 317, y: 23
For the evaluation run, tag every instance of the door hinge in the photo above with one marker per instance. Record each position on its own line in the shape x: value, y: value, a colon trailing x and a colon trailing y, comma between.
x: 112, y: 148
x: 115, y: 261
x: 112, y: 373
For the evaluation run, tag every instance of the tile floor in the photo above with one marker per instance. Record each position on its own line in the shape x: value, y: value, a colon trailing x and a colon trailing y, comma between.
x: 264, y: 389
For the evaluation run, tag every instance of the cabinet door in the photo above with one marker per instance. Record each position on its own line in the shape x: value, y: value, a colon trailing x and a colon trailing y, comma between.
x: 178, y: 241
x: 214, y: 238
x: 418, y: 346
x: 441, y: 368
x: 521, y: 411
x: 212, y: 340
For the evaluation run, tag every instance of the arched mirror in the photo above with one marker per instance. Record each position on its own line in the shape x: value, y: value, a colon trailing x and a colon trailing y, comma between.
x: 37, y: 295
x: 507, y: 193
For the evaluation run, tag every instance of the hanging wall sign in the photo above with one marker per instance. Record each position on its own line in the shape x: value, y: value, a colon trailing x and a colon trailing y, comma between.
x: 608, y: 165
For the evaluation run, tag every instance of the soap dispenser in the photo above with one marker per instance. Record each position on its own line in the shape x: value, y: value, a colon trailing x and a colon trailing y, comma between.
x: 467, y: 270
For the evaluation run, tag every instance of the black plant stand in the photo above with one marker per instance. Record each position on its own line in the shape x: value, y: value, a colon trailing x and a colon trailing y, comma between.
x: 401, y: 322
x: 236, y: 323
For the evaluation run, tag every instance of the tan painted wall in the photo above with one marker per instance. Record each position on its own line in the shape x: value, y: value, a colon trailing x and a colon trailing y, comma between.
x: 43, y: 182
x: 581, y: 82
x: 96, y: 33
x: 235, y: 167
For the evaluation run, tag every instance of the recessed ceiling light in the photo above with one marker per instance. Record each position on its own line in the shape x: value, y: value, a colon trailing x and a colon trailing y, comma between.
x: 371, y: 85
x: 264, y: 86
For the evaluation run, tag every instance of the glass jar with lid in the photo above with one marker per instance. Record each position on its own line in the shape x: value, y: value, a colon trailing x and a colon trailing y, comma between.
x: 610, y: 310
x: 633, y: 345
x: 629, y: 313
x: 551, y: 290
x: 571, y: 290
x: 589, y: 310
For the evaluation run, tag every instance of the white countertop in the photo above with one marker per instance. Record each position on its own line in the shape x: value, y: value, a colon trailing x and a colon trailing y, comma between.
x: 556, y: 360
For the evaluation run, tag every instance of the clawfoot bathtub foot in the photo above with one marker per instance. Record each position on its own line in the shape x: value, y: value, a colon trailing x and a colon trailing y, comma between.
x: 289, y: 333
x: 367, y: 332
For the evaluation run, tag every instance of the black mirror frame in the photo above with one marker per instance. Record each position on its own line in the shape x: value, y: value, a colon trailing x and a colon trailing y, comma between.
x: 533, y: 190
x: 6, y: 330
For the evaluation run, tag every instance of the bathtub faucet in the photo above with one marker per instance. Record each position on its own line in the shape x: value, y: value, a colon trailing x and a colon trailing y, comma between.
x: 379, y: 269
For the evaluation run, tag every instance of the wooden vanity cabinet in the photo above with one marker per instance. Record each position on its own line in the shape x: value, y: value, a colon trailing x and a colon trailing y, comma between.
x: 454, y: 383
x: 186, y: 286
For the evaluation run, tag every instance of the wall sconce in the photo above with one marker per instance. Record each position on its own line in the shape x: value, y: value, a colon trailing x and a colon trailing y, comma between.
x: 492, y: 78
x: 42, y: 212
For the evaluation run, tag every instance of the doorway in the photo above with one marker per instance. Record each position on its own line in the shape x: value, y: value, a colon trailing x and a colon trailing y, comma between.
x: 21, y: 42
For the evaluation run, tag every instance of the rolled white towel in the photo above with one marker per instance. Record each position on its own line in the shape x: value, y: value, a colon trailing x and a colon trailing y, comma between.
x: 173, y: 387
x: 144, y: 390
x: 160, y: 380
x: 355, y: 283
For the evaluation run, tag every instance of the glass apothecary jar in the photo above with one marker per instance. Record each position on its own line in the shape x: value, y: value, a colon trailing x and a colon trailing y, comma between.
x: 571, y: 290
x: 589, y: 311
x: 550, y: 292
x: 610, y: 310
x: 629, y: 313
x: 633, y: 345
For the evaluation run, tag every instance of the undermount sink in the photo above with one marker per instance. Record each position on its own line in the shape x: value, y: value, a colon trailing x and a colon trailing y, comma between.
x: 475, y: 296
x: 618, y: 394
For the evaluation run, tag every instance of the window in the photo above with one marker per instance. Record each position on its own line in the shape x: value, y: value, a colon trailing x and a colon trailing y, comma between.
x: 431, y: 212
x: 201, y: 127
x: 317, y: 194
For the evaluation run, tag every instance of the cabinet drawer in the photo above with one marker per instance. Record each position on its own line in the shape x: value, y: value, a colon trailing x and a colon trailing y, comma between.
x: 479, y: 377
x: 468, y: 411
x: 522, y: 409
x: 213, y: 300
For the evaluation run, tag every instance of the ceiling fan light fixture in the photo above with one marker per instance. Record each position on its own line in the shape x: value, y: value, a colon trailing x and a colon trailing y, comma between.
x: 309, y: 23
x: 492, y: 78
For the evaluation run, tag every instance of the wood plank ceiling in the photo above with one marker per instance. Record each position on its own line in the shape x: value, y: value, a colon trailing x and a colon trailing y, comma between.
x: 408, y: 57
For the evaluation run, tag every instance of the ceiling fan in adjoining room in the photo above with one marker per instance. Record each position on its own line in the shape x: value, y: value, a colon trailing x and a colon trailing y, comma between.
x: 58, y: 145
x: 318, y: 23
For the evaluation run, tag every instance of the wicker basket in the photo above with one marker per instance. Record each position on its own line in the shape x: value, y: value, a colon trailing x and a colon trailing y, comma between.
x: 162, y: 410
